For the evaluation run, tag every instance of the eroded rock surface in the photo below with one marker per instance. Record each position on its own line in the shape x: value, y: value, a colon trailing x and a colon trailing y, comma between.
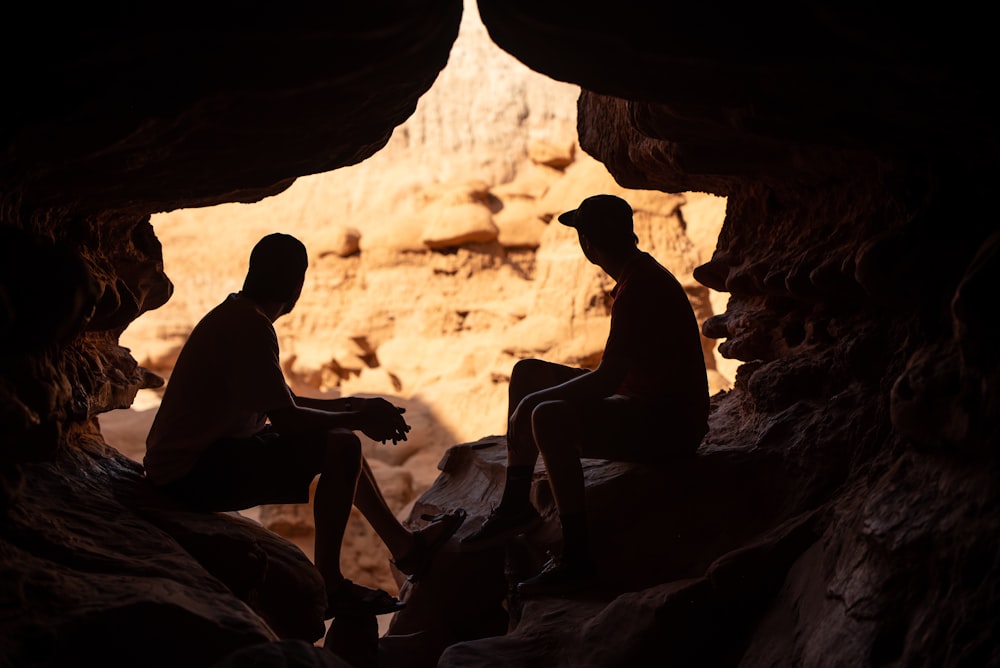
x: 842, y: 509
x: 97, y: 563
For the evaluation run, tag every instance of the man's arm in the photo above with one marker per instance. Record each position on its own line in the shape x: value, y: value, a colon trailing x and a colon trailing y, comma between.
x: 376, y: 418
x: 338, y: 405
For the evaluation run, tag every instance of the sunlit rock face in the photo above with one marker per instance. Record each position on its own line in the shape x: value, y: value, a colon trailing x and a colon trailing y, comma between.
x: 843, y: 507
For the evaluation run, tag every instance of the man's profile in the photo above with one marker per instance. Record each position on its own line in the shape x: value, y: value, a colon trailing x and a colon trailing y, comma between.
x: 230, y: 434
x: 647, y: 400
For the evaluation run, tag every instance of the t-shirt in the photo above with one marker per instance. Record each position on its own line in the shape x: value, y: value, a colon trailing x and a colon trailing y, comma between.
x: 655, y: 330
x: 226, y: 379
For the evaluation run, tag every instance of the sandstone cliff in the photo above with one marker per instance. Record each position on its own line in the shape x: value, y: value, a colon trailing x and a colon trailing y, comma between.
x: 842, y: 510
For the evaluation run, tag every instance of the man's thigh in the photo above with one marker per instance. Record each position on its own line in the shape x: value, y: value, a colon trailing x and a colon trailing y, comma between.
x: 530, y: 375
x: 240, y: 473
x: 622, y: 429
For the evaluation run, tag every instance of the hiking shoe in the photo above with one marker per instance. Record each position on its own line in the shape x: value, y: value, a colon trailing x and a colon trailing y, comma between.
x: 501, y: 526
x: 559, y: 576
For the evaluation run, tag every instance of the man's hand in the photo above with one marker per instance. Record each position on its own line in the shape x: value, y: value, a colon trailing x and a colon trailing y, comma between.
x: 382, y: 421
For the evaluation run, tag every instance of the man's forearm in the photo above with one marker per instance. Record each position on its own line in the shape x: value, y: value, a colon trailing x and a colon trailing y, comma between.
x: 376, y: 418
x: 310, y: 418
x: 337, y: 405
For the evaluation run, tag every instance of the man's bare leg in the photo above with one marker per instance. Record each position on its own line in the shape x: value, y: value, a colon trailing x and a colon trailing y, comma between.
x: 528, y: 376
x: 515, y: 512
x: 557, y: 434
x: 332, y: 503
x: 372, y: 504
x: 411, y: 551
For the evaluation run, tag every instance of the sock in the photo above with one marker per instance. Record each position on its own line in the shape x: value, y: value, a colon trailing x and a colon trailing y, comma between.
x: 517, y: 488
x: 576, y: 548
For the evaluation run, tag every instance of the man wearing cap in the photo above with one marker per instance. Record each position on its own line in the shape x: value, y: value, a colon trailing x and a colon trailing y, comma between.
x: 647, y: 401
x: 230, y: 434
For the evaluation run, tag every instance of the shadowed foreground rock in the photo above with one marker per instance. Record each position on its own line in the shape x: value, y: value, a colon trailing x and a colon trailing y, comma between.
x: 96, y: 563
x: 725, y: 536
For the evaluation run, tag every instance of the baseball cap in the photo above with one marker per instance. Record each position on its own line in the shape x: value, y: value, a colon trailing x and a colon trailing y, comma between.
x: 602, y: 218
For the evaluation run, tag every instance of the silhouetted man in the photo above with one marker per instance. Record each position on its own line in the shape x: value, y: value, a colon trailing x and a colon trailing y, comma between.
x: 647, y: 400
x: 230, y: 434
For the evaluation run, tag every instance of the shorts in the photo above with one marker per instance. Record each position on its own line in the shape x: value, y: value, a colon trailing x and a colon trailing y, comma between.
x: 240, y: 473
x: 623, y: 429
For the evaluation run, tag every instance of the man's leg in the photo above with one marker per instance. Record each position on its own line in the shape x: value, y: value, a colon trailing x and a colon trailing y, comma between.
x: 335, y: 491
x: 411, y: 550
x: 528, y: 376
x: 615, y: 428
x: 373, y: 506
x: 558, y: 433
x: 515, y: 513
x: 342, y: 469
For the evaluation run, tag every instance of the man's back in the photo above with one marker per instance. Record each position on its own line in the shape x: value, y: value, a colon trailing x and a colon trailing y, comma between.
x: 225, y: 379
x: 655, y: 329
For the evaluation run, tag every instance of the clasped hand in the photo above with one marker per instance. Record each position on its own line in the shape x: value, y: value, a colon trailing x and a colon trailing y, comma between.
x: 382, y: 421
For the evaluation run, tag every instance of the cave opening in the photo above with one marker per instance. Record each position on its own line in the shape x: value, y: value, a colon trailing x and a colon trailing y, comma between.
x: 433, y: 267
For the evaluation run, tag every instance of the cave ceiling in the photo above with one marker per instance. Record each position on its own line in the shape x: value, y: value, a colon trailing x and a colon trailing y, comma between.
x: 145, y: 108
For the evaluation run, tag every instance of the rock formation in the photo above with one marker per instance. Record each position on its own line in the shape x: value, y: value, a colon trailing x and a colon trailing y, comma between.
x: 842, y: 510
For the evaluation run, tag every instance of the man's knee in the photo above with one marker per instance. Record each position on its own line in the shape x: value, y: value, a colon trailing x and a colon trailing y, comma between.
x: 530, y: 375
x: 524, y: 373
x: 554, y: 422
x: 533, y: 368
x: 342, y: 450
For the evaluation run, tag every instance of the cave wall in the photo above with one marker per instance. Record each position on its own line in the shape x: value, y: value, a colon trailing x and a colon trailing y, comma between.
x: 856, y: 159
x: 857, y: 155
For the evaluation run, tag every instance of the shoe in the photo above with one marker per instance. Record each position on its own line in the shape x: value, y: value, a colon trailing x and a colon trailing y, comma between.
x: 414, y: 564
x: 353, y: 600
x: 559, y: 576
x: 501, y: 526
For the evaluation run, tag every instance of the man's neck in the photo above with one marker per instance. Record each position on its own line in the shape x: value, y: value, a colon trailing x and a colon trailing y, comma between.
x: 614, y: 265
x: 271, y: 309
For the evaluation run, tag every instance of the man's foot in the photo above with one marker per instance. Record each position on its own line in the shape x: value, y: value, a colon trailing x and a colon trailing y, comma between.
x: 427, y: 541
x: 559, y: 576
x: 501, y: 526
x: 354, y: 600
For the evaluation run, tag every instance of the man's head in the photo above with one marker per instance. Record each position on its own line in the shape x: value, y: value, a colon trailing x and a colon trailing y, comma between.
x: 277, y: 270
x: 604, y: 222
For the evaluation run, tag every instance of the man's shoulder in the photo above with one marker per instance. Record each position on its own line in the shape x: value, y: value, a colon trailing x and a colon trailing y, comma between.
x: 649, y: 262
x: 233, y: 313
x: 236, y: 308
x: 646, y: 269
